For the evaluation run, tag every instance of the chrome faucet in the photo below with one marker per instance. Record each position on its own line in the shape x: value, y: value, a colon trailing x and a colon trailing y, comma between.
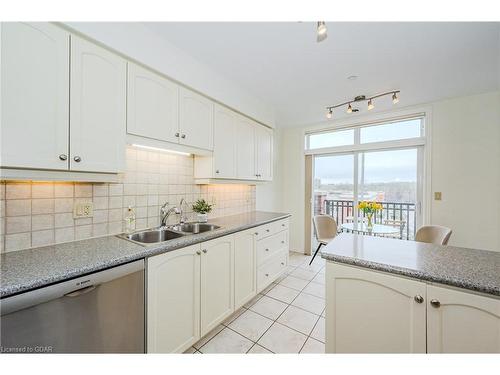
x: 182, y: 218
x: 164, y: 213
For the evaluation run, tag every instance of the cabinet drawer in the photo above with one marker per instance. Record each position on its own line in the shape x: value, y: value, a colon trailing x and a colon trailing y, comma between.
x: 267, y: 230
x: 269, y: 246
x: 269, y: 271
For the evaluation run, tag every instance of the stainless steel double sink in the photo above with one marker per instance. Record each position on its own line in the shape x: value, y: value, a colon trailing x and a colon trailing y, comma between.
x: 162, y: 234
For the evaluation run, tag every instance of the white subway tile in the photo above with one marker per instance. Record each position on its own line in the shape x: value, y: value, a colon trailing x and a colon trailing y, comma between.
x: 63, y: 205
x: 100, y: 190
x: 100, y: 230
x: 100, y: 203
x: 83, y: 190
x: 63, y: 220
x: 64, y: 190
x: 83, y: 232
x: 41, y: 222
x: 42, y: 206
x: 17, y: 241
x: 115, y: 189
x: 18, y: 207
x: 115, y: 227
x: 64, y: 235
x: 18, y: 191
x: 17, y: 224
x: 100, y: 216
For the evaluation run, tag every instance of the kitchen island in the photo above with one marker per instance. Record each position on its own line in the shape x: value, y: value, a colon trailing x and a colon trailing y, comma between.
x: 387, y: 296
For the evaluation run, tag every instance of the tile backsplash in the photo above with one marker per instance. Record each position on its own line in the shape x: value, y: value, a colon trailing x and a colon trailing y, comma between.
x: 35, y: 214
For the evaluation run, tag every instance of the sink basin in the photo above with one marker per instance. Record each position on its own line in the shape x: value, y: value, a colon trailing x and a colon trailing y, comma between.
x: 153, y: 235
x: 194, y: 228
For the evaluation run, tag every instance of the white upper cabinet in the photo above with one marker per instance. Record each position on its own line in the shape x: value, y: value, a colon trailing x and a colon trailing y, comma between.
x: 245, y: 149
x: 152, y: 105
x: 34, y: 96
x: 459, y: 322
x: 98, y: 108
x: 196, y: 120
x: 264, y: 153
x: 224, y: 143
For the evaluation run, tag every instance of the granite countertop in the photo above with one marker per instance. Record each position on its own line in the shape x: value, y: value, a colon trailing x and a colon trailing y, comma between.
x: 34, y: 268
x: 477, y: 270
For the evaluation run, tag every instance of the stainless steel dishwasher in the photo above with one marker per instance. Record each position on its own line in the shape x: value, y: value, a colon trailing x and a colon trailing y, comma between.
x: 99, y: 313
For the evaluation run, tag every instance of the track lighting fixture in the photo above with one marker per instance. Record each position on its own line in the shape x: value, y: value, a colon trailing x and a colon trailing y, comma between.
x: 370, y: 104
x: 321, y: 31
x: 362, y: 98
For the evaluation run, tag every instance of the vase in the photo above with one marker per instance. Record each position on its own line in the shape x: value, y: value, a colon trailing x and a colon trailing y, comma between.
x: 202, y: 218
x: 369, y: 225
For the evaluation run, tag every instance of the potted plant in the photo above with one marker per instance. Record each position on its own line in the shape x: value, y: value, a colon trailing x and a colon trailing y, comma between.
x: 369, y: 208
x: 202, y: 208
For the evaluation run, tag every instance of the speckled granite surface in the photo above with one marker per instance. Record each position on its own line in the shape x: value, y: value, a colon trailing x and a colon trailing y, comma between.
x: 29, y: 269
x: 477, y: 270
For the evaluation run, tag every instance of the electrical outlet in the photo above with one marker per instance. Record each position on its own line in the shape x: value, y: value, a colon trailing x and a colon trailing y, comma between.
x: 437, y: 195
x: 85, y: 209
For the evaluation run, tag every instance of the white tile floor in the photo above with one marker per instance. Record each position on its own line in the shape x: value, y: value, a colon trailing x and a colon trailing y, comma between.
x: 286, y: 317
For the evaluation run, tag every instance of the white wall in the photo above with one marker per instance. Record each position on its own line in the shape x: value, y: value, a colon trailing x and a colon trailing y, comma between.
x: 465, y: 167
x: 142, y: 44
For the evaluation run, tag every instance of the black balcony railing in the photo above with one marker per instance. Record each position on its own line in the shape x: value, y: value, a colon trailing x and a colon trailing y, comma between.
x: 392, y: 213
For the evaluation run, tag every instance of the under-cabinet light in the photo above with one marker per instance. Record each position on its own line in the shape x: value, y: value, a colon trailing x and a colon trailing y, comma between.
x: 161, y: 149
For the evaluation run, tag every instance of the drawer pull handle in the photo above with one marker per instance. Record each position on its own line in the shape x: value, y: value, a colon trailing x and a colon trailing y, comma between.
x: 435, y: 303
x: 282, y: 225
x: 267, y: 249
x: 267, y: 275
x: 282, y: 263
x: 267, y: 230
x: 282, y: 241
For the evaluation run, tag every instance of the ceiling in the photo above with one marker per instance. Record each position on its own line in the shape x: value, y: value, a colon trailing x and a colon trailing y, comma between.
x: 282, y: 64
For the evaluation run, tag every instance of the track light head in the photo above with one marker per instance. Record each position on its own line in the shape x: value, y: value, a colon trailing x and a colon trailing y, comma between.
x: 349, y: 108
x: 321, y: 31
x: 395, y: 98
x: 370, y: 105
x: 329, y: 113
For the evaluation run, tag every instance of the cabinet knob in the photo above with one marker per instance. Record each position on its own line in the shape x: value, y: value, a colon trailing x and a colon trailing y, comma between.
x: 177, y: 135
x: 282, y: 263
x: 267, y: 275
x: 267, y: 230
x: 256, y: 233
x: 282, y: 241
x: 198, y: 252
x: 63, y: 157
x: 205, y: 251
x: 267, y: 249
x: 77, y: 159
x: 418, y: 298
x: 435, y: 303
x: 183, y: 136
x: 217, y: 171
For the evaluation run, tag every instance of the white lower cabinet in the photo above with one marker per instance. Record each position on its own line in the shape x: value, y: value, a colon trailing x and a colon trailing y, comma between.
x: 373, y: 312
x: 369, y: 312
x: 217, y: 282
x: 245, y: 287
x: 173, y: 300
x: 460, y: 322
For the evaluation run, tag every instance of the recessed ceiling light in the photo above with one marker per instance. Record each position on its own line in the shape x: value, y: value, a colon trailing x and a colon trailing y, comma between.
x: 352, y: 78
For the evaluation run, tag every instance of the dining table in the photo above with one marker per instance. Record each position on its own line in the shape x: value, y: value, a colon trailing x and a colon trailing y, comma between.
x: 375, y: 230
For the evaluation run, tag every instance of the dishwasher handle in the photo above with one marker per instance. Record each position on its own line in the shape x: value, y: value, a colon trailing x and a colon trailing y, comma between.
x: 81, y: 291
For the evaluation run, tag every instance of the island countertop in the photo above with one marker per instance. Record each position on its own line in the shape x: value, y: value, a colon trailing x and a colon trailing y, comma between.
x: 34, y: 268
x: 472, y: 269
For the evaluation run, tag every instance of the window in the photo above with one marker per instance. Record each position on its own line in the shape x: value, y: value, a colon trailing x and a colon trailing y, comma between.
x: 331, y: 139
x: 410, y: 130
x: 391, y: 132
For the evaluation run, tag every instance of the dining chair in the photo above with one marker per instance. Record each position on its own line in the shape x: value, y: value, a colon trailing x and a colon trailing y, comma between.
x: 325, y: 230
x: 435, y: 234
x: 400, y: 224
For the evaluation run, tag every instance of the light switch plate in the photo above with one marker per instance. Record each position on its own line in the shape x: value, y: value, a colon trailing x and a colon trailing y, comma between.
x: 437, y: 195
x: 85, y: 209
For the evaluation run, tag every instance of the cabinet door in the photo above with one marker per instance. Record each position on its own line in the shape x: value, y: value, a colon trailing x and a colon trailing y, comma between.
x: 98, y: 108
x: 224, y: 143
x: 217, y: 282
x: 245, y: 149
x: 152, y: 105
x: 264, y: 153
x: 34, y: 96
x: 371, y: 312
x: 459, y: 322
x: 196, y: 120
x: 173, y: 303
x: 244, y: 267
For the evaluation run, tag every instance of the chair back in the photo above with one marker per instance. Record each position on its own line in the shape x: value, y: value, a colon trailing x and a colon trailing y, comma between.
x: 325, y: 227
x: 435, y: 234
